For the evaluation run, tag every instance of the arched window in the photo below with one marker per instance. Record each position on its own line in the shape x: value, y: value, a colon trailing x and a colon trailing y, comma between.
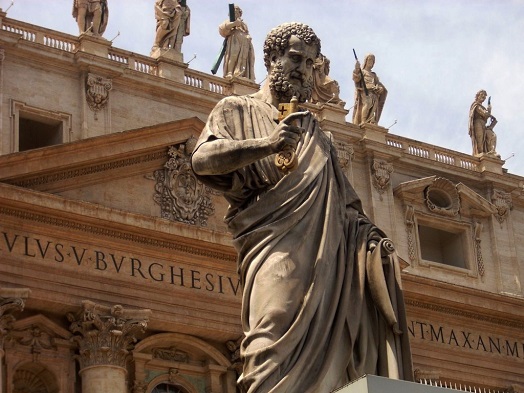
x: 34, y: 378
x: 168, y: 388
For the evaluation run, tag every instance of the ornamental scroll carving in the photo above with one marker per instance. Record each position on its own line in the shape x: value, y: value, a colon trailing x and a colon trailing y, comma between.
x: 381, y: 175
x: 503, y: 204
x: 97, y: 92
x: 105, y: 335
x: 181, y: 196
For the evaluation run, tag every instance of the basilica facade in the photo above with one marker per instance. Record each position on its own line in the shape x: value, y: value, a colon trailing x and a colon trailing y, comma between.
x: 117, y: 271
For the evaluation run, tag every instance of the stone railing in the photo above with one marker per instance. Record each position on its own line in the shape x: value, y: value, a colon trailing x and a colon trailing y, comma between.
x: 40, y: 35
x: 431, y: 152
x: 133, y: 61
x: 460, y: 387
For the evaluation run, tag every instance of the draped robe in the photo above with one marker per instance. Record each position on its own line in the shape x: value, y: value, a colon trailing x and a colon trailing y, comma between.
x: 321, y: 292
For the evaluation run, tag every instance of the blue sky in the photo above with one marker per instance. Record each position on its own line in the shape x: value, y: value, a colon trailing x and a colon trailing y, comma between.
x: 433, y: 56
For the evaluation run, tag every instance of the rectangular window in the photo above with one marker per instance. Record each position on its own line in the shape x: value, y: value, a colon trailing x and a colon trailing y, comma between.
x: 33, y: 127
x: 443, y: 247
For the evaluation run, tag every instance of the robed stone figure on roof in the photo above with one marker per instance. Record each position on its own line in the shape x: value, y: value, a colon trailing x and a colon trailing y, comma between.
x: 322, y: 302
x: 91, y: 16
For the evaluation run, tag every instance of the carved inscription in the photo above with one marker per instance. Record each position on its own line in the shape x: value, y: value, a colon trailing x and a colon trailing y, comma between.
x: 467, y: 340
x: 74, y: 256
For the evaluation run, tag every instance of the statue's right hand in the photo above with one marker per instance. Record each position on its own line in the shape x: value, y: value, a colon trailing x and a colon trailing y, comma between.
x: 286, y: 133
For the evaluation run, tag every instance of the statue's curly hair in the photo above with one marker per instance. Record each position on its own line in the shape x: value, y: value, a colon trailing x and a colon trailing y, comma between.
x: 278, y: 39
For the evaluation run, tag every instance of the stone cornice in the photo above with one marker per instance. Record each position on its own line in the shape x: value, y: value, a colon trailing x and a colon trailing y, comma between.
x: 479, y: 305
x: 95, y: 155
x: 93, y: 219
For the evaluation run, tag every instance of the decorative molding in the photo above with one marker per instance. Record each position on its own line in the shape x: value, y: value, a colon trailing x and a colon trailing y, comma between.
x: 480, y: 261
x: 465, y: 314
x: 442, y: 197
x: 410, y: 228
x: 89, y: 170
x: 181, y: 196
x: 139, y: 387
x: 95, y: 230
x: 503, y: 203
x: 172, y: 354
x: 97, y: 92
x: 105, y: 335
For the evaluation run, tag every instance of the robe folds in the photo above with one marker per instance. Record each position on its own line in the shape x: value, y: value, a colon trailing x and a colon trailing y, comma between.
x: 322, y: 302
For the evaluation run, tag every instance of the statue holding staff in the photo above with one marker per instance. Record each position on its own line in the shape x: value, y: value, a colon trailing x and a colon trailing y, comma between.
x: 370, y: 93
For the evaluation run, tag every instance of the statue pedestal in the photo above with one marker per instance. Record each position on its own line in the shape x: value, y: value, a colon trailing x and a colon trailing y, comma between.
x: 374, y: 384
x: 374, y: 132
x: 94, y: 45
x: 490, y: 163
x: 333, y: 112
x: 170, y: 64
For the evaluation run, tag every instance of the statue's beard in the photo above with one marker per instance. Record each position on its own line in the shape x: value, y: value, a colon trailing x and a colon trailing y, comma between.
x: 283, y: 89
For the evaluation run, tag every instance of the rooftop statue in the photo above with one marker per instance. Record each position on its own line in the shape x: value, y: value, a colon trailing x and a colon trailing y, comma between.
x: 325, y: 89
x: 239, y: 56
x: 481, y: 124
x: 91, y: 16
x: 370, y: 93
x: 321, y: 300
x: 172, y: 25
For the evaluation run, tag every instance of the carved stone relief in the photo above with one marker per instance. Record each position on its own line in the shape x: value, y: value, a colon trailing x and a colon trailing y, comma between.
x: 234, y: 351
x: 104, y: 334
x: 503, y: 204
x: 345, y: 154
x: 381, y: 171
x: 97, y: 92
x: 181, y: 196
x: 410, y: 227
x: 171, y: 354
x: 11, y: 300
x: 478, y: 250
x: 442, y: 197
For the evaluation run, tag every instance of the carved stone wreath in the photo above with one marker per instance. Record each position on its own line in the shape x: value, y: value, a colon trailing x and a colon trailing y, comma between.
x: 178, y: 192
x: 442, y: 197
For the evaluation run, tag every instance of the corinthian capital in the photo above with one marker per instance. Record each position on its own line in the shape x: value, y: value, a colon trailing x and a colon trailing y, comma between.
x: 105, y: 335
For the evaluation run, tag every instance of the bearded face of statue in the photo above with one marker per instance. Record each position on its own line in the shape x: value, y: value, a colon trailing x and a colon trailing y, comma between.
x: 291, y: 74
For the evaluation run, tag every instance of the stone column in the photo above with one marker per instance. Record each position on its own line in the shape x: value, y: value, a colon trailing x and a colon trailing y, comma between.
x: 11, y: 300
x: 105, y: 335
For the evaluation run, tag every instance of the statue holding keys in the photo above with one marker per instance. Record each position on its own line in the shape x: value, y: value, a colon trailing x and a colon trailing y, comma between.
x: 321, y: 299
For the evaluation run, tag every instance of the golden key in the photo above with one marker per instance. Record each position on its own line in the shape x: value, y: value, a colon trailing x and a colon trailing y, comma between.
x: 286, y: 160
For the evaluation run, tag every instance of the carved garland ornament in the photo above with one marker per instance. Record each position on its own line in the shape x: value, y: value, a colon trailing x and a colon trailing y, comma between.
x: 97, y: 92
x: 442, y: 197
x: 410, y: 225
x: 480, y: 261
x: 181, y: 196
